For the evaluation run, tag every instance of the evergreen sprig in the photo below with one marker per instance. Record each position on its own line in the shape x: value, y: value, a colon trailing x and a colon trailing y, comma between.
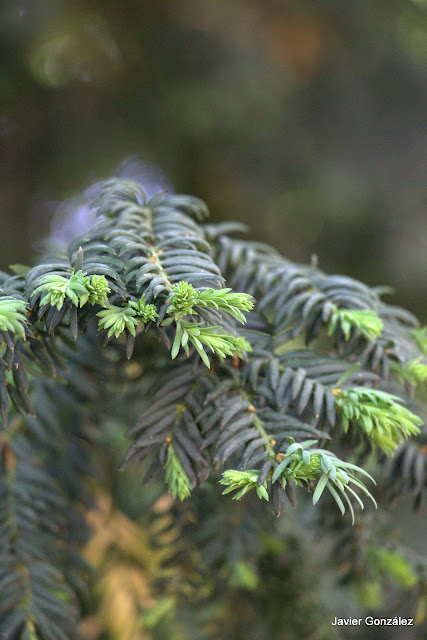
x: 222, y: 299
x: 78, y: 288
x: 182, y: 299
x: 145, y: 312
x: 242, y: 482
x: 379, y: 415
x: 13, y: 316
x: 58, y: 288
x: 185, y: 299
x: 221, y: 344
x: 302, y: 465
x: 117, y: 319
x: 97, y: 290
x: 414, y: 372
x: 176, y: 478
x: 365, y: 320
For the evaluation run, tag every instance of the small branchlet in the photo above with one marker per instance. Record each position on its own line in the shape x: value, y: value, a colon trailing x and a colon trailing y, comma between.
x: 12, y: 316
x: 58, y: 288
x: 176, y: 478
x: 242, y: 482
x: 145, y: 312
x: 221, y: 344
x: 223, y: 300
x: 78, y: 288
x: 117, y: 319
x: 301, y: 464
x: 379, y: 415
x: 184, y: 300
x: 414, y: 372
x: 97, y: 291
x: 365, y: 320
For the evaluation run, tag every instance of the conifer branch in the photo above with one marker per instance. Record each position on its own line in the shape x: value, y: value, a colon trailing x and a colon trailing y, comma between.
x: 263, y: 405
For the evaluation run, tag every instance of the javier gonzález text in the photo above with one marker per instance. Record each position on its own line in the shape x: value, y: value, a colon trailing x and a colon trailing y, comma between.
x: 397, y: 621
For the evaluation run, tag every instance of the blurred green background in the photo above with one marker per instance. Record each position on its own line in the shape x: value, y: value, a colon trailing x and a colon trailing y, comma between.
x: 304, y: 119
